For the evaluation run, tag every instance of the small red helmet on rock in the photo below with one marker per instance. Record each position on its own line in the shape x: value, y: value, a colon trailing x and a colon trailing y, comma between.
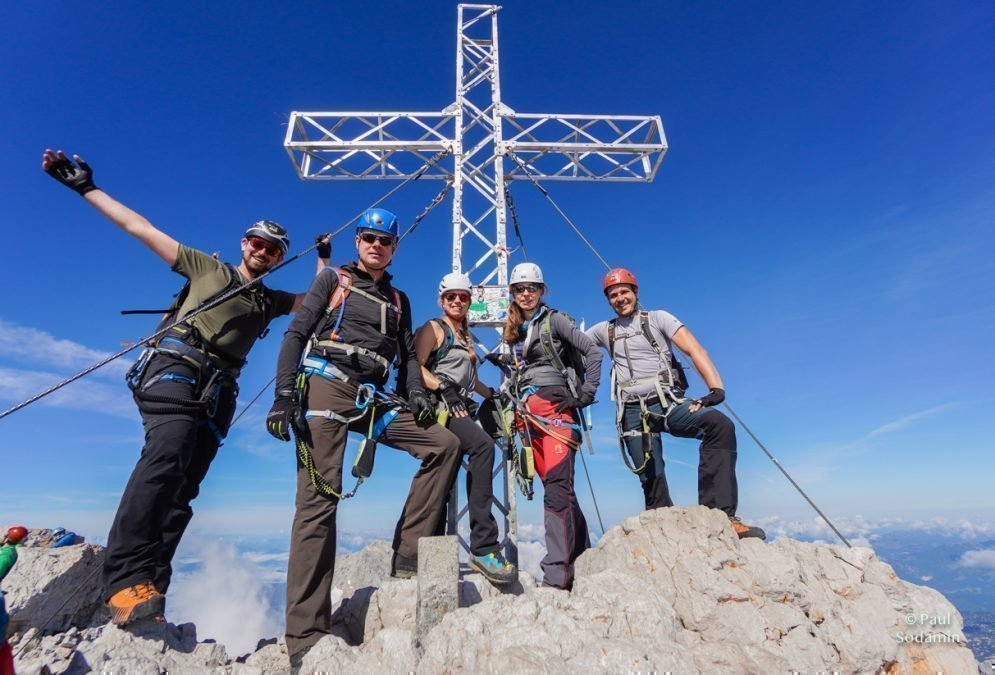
x: 16, y: 534
x: 620, y: 276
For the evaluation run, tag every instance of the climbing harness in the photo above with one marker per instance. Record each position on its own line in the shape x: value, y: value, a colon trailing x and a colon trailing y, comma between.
x: 669, y: 385
x: 203, y: 307
x: 366, y: 402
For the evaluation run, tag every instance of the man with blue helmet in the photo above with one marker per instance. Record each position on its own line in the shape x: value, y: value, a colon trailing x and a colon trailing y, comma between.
x: 352, y: 326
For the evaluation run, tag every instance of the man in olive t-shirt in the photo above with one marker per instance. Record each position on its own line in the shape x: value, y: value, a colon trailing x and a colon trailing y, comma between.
x: 185, y: 388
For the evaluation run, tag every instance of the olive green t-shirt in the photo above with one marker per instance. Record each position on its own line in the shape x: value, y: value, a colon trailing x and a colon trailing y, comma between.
x: 230, y: 329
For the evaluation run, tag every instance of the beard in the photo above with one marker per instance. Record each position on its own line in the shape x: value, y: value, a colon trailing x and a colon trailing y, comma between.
x: 255, y: 265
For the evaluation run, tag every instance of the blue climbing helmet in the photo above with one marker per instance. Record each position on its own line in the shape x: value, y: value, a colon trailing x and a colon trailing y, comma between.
x: 378, y: 220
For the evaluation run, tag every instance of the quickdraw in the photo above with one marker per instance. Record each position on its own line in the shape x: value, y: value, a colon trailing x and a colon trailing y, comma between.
x: 367, y: 396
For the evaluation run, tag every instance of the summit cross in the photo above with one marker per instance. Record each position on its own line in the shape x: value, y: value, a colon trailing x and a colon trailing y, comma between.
x: 487, y: 145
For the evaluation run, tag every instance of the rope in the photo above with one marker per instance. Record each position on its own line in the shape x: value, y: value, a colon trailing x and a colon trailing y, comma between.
x: 514, y: 221
x: 558, y: 209
x: 428, y: 209
x: 738, y: 419
x: 781, y: 468
x: 254, y: 399
x: 217, y: 301
x: 590, y: 485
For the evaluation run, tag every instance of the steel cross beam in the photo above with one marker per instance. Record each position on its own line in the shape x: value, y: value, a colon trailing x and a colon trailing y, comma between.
x: 480, y: 132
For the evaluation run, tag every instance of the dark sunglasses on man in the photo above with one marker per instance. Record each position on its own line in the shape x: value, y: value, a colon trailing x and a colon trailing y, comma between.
x: 258, y: 244
x: 384, y: 239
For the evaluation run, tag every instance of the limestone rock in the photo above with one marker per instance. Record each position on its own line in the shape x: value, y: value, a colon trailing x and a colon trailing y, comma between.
x: 367, y: 568
x: 55, y: 589
x: 668, y: 590
x: 438, y: 581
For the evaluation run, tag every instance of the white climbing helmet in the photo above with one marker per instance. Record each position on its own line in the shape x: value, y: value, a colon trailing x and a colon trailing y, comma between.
x: 455, y: 281
x: 525, y: 273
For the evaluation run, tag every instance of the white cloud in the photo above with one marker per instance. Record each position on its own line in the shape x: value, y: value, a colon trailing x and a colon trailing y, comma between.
x: 18, y: 385
x: 225, y: 597
x: 983, y: 558
x: 861, y: 531
x: 908, y: 420
x: 39, y: 348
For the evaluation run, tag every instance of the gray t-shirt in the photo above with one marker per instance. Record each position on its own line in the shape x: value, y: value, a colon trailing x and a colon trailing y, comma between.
x: 634, y: 356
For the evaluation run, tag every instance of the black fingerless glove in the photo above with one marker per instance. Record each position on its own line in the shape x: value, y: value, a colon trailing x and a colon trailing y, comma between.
x: 450, y: 393
x: 78, y: 178
x: 419, y: 405
x: 281, y: 418
x: 714, y: 397
x: 324, y: 248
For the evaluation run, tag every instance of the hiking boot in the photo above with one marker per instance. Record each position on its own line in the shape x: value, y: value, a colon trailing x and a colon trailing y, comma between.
x: 403, y: 568
x: 141, y: 601
x: 743, y: 530
x: 494, y: 568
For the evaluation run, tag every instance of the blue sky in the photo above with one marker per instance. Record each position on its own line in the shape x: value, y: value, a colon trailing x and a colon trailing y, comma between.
x: 823, y: 222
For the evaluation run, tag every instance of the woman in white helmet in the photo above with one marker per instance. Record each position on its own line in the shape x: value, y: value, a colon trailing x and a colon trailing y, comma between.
x: 449, y: 369
x: 557, y: 369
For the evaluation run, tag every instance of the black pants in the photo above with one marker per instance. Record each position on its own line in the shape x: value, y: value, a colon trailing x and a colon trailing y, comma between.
x: 717, y: 486
x: 478, y: 447
x: 155, y: 506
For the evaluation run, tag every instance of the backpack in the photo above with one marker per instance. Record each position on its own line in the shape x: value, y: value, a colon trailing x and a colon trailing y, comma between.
x: 572, y: 366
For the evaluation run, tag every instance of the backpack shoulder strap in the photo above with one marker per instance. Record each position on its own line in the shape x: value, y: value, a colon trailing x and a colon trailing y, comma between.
x: 398, y: 306
x: 546, y: 340
x: 611, y: 339
x: 644, y: 326
x: 338, y: 297
x: 448, y: 338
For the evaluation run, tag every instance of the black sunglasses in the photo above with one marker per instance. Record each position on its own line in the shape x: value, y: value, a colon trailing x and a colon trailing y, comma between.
x: 384, y: 239
x: 526, y: 288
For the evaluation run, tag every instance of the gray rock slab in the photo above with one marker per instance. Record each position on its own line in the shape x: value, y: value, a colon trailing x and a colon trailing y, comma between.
x: 438, y: 581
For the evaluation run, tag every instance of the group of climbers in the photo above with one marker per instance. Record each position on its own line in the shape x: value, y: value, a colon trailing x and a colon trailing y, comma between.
x: 348, y: 331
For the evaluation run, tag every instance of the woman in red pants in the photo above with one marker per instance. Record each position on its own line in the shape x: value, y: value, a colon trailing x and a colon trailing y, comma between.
x: 557, y: 372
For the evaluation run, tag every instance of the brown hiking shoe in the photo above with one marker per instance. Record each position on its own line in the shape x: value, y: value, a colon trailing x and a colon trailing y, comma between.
x: 743, y: 530
x: 140, y: 601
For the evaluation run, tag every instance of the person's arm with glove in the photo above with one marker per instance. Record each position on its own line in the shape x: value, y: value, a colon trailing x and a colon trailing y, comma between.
x: 409, y: 364
x: 285, y: 410
x: 687, y: 343
x: 77, y: 175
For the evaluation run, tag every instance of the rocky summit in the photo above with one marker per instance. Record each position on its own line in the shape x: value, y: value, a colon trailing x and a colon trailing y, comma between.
x: 668, y: 590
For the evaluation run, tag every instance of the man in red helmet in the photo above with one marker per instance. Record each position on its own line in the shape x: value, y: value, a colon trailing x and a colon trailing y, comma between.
x: 8, y: 556
x: 648, y: 386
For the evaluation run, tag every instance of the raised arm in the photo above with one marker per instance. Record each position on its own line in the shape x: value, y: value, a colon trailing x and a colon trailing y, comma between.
x: 78, y: 176
x: 324, y: 248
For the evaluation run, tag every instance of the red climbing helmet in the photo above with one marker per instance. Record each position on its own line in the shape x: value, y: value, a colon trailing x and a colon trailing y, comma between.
x: 620, y: 276
x: 16, y: 534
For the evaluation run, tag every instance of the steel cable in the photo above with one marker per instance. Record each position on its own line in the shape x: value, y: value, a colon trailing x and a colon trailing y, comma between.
x: 217, y: 301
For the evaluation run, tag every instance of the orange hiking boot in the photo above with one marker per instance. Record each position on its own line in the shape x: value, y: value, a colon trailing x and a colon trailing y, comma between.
x: 743, y: 530
x: 140, y: 601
